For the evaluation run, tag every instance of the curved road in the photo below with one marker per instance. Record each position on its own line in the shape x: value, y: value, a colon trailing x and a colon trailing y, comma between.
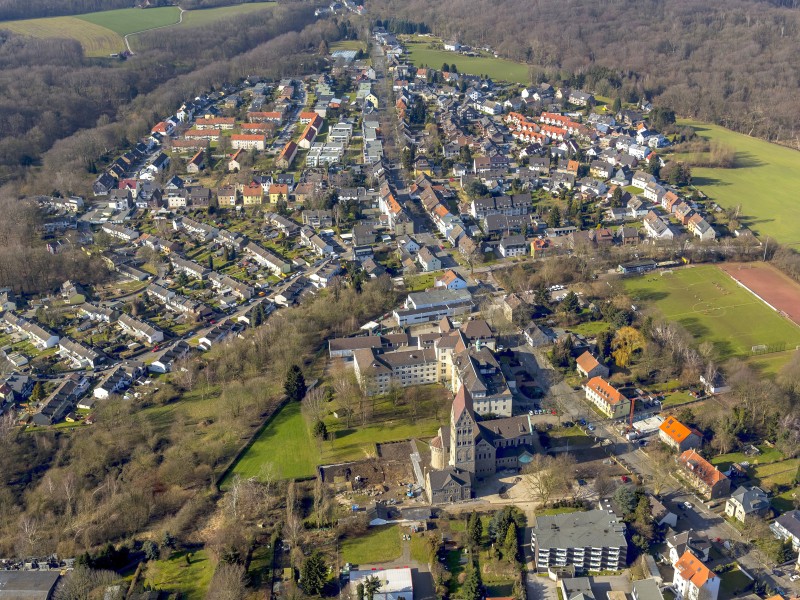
x: 127, y: 43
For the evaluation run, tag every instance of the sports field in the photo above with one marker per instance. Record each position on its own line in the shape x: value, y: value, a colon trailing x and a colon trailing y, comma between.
x: 713, y: 307
x: 496, y: 68
x: 764, y: 182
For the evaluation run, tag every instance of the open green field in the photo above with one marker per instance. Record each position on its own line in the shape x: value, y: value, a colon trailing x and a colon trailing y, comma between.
x: 764, y: 183
x: 198, y: 18
x: 96, y: 40
x: 496, y: 68
x: 287, y: 439
x: 348, y: 45
x: 285, y: 442
x: 175, y: 575
x: 379, y: 545
x: 101, y: 33
x: 132, y: 20
x: 713, y: 307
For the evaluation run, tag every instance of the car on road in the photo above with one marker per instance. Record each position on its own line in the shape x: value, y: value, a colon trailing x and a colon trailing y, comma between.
x: 582, y: 421
x: 688, y: 505
x: 794, y: 577
x: 591, y: 427
x: 625, y: 479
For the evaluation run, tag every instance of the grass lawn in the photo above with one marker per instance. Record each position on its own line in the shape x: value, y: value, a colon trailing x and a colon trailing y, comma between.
x: 348, y: 45
x: 676, y: 399
x: 779, y: 473
x: 767, y: 456
x: 713, y: 307
x: 733, y: 583
x: 764, y: 182
x: 786, y: 501
x: 379, y: 545
x: 572, y: 436
x: 174, y: 575
x: 770, y: 364
x: 133, y: 20
x: 419, y: 548
x: 590, y: 328
x: 423, y: 281
x: 95, y: 39
x: 496, y: 68
x: 286, y: 442
x: 556, y: 511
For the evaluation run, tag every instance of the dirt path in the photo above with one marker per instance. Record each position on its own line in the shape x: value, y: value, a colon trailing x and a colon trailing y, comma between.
x: 128, y: 44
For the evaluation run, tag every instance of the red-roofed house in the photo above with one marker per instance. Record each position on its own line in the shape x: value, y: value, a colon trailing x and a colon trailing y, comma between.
x: 607, y: 398
x: 705, y: 477
x: 678, y: 436
x: 588, y: 366
x: 286, y: 157
x: 693, y: 580
x: 451, y: 281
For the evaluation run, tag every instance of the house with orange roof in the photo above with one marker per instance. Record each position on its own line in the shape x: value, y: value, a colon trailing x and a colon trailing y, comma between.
x: 264, y: 117
x: 286, y: 157
x: 705, y: 477
x: 252, y: 194
x: 693, y: 580
x: 278, y: 191
x: 588, y: 366
x: 678, y: 436
x: 233, y: 163
x: 307, y: 117
x: 608, y: 399
x: 451, y: 281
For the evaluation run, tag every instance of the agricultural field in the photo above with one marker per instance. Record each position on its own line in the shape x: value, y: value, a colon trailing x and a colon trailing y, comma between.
x: 133, y: 20
x: 198, y: 18
x: 96, y: 40
x: 101, y: 33
x: 763, y: 182
x: 713, y: 307
x: 496, y: 68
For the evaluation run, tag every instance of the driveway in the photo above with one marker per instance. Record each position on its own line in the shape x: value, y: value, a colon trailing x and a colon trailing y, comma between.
x: 541, y: 588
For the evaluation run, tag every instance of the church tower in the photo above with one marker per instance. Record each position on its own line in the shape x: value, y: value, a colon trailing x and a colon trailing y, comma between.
x: 463, y: 432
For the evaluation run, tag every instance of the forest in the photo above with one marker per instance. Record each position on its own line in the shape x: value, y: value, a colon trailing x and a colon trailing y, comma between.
x: 730, y: 62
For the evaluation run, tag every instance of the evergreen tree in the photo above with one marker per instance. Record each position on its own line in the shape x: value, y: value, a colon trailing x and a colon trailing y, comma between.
x: 313, y: 574
x: 510, y: 543
x: 295, y: 384
x: 371, y: 585
x: 474, y: 529
x: 471, y: 590
x: 211, y: 263
x: 554, y: 218
x: 616, y: 106
x: 37, y: 395
x: 320, y: 430
x: 360, y: 591
x: 570, y: 303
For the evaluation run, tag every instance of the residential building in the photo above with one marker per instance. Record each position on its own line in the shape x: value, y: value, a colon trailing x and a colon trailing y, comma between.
x: 693, y: 580
x: 588, y: 541
x: 691, y: 541
x: 678, y: 436
x: 395, y: 583
x: 140, y: 329
x: 433, y: 305
x: 513, y: 245
x: 37, y: 335
x: 588, y: 366
x: 113, y: 382
x: 80, y: 355
x: 610, y: 401
x: 704, y: 476
x: 248, y: 141
x: 268, y: 259
x: 451, y: 281
x: 428, y: 261
x: 744, y: 502
x: 402, y: 368
x: 787, y: 528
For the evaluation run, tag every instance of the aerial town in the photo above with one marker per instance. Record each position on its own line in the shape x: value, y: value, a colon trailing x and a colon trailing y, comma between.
x: 505, y: 349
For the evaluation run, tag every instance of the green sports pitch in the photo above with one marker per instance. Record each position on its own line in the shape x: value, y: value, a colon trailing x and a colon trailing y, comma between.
x: 713, y: 307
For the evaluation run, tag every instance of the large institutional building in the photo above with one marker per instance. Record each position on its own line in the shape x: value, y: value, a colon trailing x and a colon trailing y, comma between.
x: 471, y: 448
x: 455, y: 356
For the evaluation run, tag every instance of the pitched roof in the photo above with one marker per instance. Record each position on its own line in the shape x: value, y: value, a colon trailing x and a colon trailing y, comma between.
x: 606, y: 390
x: 692, y: 569
x: 675, y: 429
x: 703, y: 469
x: 462, y: 402
x: 587, y: 362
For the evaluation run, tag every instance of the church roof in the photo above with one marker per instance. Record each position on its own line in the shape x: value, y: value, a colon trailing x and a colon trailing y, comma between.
x: 462, y: 402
